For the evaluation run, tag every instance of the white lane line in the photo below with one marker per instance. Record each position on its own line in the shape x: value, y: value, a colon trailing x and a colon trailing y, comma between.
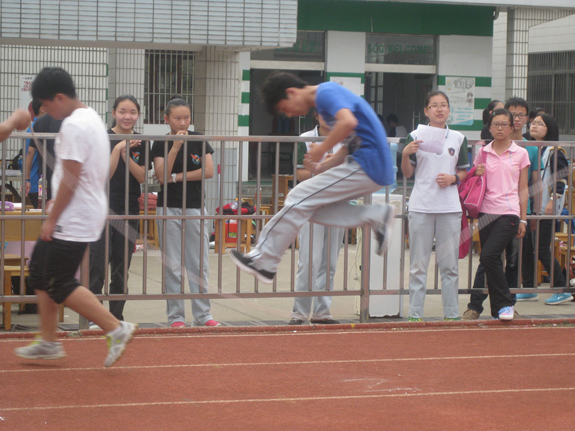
x: 283, y: 400
x: 326, y: 362
x: 361, y: 331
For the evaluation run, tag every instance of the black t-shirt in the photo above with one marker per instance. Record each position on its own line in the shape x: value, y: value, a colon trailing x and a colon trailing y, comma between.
x: 176, y: 190
x: 118, y: 180
x: 46, y: 124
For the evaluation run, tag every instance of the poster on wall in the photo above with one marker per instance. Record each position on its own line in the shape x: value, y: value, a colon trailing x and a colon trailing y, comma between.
x: 25, y: 87
x: 461, y: 93
x: 351, y: 83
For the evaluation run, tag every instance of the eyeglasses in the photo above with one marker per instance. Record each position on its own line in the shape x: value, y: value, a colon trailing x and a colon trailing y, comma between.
x: 442, y: 106
x: 538, y: 124
x: 520, y: 115
x: 500, y: 125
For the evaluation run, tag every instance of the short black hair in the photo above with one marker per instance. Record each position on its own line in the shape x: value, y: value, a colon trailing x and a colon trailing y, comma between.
x: 535, y: 112
x: 273, y: 90
x: 517, y: 101
x: 392, y: 117
x: 51, y: 81
x: 36, y: 105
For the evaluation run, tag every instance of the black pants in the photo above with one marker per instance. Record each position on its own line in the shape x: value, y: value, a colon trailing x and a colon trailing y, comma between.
x: 495, y: 233
x: 33, y: 199
x: 546, y: 233
x: 511, y: 272
x: 116, y: 260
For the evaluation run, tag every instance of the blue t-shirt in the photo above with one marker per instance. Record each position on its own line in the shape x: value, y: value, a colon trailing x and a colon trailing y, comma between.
x: 34, y: 172
x: 532, y: 151
x: 373, y: 154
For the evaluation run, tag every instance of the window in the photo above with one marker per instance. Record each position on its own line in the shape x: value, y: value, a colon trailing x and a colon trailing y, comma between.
x: 551, y: 86
x: 167, y: 73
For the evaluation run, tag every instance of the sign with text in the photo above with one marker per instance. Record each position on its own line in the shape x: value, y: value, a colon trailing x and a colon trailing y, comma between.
x: 461, y: 93
x: 393, y: 49
x: 25, y: 87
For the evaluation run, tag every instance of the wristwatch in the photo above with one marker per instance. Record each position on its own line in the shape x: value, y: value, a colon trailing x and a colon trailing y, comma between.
x: 523, y: 221
x: 173, y: 178
x: 457, y: 180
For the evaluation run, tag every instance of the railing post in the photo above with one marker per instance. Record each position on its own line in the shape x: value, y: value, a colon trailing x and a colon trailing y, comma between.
x: 365, y: 269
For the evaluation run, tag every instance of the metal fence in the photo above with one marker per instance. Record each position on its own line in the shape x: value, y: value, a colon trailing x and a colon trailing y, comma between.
x: 230, y: 282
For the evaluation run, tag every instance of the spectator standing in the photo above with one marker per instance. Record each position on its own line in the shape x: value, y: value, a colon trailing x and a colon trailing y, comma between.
x: 322, y: 239
x: 178, y: 116
x: 504, y: 208
x: 32, y: 165
x: 548, y: 201
x: 435, y: 209
x: 126, y: 111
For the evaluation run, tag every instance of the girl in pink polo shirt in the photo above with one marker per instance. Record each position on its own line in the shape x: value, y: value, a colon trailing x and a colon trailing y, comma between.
x: 503, y: 213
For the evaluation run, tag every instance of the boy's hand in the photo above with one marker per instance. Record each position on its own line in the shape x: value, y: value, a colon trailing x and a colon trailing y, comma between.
x: 315, y: 152
x: 314, y: 167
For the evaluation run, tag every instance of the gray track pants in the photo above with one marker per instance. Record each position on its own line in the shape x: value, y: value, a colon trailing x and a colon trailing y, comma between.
x: 322, y: 199
x: 320, y: 265
x: 173, y: 250
x: 446, y: 229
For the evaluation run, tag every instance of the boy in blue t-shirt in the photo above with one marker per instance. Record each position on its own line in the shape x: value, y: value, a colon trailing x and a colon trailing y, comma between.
x: 362, y: 166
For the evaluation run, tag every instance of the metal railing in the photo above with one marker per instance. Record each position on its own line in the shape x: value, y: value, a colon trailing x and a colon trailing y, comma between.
x: 244, y: 286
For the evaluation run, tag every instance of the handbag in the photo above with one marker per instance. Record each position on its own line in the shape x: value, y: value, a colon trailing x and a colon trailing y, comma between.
x: 472, y: 191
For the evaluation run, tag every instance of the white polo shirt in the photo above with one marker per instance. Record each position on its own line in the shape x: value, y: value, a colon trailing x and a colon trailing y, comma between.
x: 427, y: 196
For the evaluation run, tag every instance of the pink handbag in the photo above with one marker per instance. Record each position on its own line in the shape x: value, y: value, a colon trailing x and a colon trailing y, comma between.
x: 472, y: 191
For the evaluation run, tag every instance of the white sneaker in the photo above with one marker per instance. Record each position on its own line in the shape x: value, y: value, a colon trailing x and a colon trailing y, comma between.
x: 93, y: 326
x: 117, y: 343
x: 385, y: 232
x: 40, y: 349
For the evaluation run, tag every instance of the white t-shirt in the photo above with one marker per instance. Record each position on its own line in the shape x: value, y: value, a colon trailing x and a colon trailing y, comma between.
x: 427, y: 196
x: 83, y: 138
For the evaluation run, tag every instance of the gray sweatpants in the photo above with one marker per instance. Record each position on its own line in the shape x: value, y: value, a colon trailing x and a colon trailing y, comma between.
x: 320, y: 265
x: 322, y: 199
x: 173, y: 250
x: 446, y: 229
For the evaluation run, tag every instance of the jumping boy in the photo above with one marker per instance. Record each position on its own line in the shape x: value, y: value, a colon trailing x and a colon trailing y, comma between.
x: 75, y: 219
x: 362, y: 166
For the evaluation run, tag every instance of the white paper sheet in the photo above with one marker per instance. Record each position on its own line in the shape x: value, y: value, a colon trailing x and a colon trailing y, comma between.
x: 432, y: 137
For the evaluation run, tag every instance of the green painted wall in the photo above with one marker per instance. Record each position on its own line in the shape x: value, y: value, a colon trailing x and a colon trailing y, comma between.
x: 401, y: 18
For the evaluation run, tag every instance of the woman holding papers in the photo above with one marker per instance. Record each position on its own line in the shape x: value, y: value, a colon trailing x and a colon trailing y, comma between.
x: 439, y: 158
x: 503, y: 211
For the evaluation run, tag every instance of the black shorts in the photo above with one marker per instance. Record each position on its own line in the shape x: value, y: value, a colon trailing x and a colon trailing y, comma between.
x: 53, y: 266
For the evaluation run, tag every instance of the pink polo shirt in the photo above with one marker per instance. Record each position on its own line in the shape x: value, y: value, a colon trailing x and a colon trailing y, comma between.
x: 502, y: 178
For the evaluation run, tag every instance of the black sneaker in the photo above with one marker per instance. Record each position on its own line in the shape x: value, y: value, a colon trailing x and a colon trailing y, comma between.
x: 384, y: 233
x: 295, y: 322
x: 326, y: 321
x: 245, y: 263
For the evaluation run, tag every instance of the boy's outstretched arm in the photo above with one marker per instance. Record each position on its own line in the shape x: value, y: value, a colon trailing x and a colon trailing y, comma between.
x: 345, y: 123
x: 19, y: 120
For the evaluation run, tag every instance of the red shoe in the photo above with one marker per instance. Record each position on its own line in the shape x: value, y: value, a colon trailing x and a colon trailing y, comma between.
x: 212, y: 322
x: 178, y: 325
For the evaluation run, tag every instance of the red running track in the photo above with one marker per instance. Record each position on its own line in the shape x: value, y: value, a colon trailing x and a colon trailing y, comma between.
x: 502, y: 378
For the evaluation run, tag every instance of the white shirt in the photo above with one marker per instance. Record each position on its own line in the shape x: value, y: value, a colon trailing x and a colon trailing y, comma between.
x: 427, y: 196
x: 83, y: 138
x: 315, y: 133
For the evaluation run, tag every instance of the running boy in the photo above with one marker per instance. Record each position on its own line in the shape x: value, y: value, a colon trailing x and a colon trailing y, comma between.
x: 362, y: 166
x: 75, y: 219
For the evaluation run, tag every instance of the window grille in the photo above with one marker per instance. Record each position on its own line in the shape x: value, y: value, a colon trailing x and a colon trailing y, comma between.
x: 167, y: 73
x: 551, y: 86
